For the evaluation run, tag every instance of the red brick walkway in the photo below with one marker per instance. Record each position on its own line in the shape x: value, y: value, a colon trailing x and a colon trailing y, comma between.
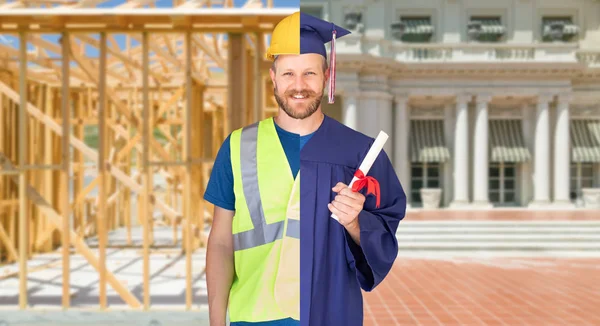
x: 494, y: 291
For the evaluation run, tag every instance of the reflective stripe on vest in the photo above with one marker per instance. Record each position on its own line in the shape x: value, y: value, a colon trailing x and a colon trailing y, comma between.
x: 261, y: 233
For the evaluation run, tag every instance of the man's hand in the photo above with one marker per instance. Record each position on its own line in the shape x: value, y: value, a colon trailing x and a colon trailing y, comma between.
x: 346, y: 206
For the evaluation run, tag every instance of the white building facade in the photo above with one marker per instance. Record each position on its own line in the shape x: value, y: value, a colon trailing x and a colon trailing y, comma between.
x: 488, y: 103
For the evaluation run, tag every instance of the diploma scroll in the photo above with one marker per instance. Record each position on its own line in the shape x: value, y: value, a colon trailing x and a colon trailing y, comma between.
x: 369, y: 159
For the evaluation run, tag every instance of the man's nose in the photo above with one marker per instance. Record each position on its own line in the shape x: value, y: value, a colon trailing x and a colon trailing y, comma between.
x: 299, y: 82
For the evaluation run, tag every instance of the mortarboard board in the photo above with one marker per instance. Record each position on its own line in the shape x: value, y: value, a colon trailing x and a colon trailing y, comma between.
x: 301, y: 33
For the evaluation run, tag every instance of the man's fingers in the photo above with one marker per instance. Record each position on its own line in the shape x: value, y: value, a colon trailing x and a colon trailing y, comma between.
x: 348, y: 192
x: 344, y: 199
x: 354, y: 203
x: 338, y: 187
x: 352, y: 194
x: 336, y: 211
x: 342, y: 206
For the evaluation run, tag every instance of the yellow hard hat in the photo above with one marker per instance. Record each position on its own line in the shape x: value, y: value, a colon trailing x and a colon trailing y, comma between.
x: 286, y: 37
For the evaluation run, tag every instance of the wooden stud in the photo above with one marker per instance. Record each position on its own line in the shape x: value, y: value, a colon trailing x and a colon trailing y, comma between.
x: 258, y: 77
x: 22, y: 148
x: 66, y: 140
x: 236, y: 78
x: 80, y: 173
x: 146, y: 171
x: 187, y: 197
x: 101, y: 219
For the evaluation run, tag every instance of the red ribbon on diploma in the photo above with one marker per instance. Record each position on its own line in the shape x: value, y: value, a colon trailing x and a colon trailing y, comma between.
x: 366, y: 181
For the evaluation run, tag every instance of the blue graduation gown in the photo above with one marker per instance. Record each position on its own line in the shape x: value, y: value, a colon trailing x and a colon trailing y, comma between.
x: 333, y: 267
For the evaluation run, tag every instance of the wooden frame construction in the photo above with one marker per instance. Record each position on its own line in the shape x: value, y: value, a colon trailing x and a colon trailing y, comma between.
x: 162, y: 101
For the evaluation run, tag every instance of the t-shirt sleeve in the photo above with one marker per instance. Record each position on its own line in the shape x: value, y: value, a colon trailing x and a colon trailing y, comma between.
x: 219, y: 190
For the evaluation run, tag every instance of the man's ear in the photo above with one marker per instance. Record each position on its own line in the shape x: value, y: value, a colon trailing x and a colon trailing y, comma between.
x: 272, y: 74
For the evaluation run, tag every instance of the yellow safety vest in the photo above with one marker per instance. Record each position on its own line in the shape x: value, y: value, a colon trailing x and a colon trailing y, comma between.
x: 266, y: 227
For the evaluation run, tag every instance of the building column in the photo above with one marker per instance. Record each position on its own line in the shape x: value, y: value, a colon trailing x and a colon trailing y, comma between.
x: 401, y: 141
x: 562, y: 156
x: 480, y: 149
x: 349, y: 110
x: 541, y: 174
x: 376, y: 115
x: 461, y: 152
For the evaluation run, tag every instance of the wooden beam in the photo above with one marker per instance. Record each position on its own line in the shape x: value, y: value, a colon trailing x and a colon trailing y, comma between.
x: 258, y: 85
x: 65, y: 172
x: 127, y: 20
x: 236, y: 77
x: 12, y: 252
x: 187, y: 197
x: 102, y: 186
x: 80, y: 245
x: 146, y: 171
x: 22, y: 137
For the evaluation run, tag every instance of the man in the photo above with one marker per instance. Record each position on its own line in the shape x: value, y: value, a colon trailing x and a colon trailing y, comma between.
x: 292, y: 171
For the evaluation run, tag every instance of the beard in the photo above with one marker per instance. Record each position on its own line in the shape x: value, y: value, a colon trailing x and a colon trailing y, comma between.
x: 301, y: 111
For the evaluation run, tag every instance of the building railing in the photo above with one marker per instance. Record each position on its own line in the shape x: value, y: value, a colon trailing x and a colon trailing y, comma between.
x: 591, y: 58
x: 473, y: 52
x: 440, y: 52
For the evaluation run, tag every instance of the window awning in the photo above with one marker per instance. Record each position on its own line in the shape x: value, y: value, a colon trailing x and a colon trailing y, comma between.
x: 568, y: 29
x: 506, y: 142
x: 585, y: 141
x: 417, y: 26
x: 490, y: 25
x: 427, y: 141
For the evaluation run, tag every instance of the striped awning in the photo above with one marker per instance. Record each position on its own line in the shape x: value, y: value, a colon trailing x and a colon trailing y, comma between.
x: 585, y: 141
x: 417, y: 26
x: 568, y: 29
x: 427, y: 141
x: 506, y: 142
x: 490, y: 25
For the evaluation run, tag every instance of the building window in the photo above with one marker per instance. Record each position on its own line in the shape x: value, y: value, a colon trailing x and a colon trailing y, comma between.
x: 485, y: 29
x: 503, y: 183
x: 582, y: 176
x: 558, y: 29
x: 316, y: 11
x: 416, y: 29
x: 424, y: 175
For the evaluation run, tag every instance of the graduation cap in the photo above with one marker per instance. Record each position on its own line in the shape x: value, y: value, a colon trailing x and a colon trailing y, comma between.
x: 301, y: 33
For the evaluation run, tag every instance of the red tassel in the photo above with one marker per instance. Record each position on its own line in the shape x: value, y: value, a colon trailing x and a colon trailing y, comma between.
x: 371, y: 183
x: 332, y: 70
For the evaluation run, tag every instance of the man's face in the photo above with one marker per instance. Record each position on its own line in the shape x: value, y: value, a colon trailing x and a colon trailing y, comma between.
x: 299, y: 82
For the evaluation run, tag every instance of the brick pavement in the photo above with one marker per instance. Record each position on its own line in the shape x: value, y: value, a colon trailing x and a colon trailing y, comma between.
x: 487, y: 291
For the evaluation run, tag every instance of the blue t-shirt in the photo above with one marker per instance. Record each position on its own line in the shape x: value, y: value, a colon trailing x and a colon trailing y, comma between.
x: 219, y: 190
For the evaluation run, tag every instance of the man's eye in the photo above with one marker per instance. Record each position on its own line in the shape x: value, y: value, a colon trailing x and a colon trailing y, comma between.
x: 287, y: 73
